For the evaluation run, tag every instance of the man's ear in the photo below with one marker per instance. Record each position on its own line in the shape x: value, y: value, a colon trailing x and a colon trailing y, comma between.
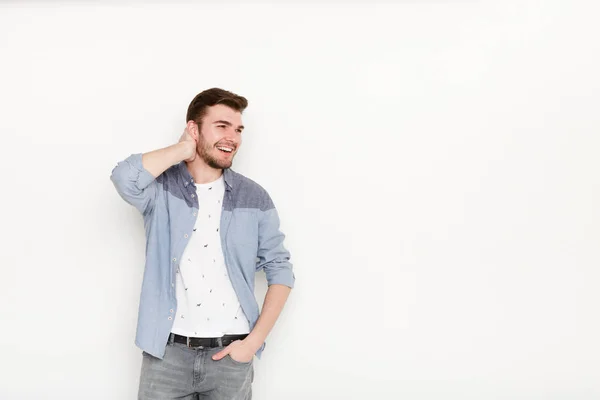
x: 193, y: 130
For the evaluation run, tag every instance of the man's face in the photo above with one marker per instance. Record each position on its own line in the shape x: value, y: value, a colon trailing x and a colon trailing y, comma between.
x: 220, y: 136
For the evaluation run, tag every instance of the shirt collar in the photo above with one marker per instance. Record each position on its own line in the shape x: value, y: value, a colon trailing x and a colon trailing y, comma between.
x: 187, y: 177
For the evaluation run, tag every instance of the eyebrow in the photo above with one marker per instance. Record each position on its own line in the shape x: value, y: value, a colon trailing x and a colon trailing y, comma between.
x: 227, y: 123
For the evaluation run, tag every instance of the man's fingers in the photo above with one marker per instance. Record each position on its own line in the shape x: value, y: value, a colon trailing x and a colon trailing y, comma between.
x: 221, y: 354
x: 186, y: 135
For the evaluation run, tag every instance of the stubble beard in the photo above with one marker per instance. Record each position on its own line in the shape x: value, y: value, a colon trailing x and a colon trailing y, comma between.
x: 204, y: 149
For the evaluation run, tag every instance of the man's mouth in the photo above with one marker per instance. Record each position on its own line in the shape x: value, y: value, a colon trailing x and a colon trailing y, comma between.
x: 225, y: 149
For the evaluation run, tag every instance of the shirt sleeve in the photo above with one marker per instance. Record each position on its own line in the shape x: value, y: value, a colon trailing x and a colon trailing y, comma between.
x: 136, y: 185
x: 273, y: 257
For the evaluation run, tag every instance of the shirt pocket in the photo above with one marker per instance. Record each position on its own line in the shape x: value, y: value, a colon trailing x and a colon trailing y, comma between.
x: 244, y: 229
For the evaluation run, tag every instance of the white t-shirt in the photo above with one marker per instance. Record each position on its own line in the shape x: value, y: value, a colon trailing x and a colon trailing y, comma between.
x: 207, y: 305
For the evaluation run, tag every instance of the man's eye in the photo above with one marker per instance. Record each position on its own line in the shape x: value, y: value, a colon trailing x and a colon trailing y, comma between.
x: 239, y: 131
x: 221, y: 126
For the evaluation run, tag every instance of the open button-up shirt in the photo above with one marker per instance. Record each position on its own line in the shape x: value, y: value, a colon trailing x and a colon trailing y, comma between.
x: 250, y: 238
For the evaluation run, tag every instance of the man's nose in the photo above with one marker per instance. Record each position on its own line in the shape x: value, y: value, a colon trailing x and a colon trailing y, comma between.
x: 231, y: 135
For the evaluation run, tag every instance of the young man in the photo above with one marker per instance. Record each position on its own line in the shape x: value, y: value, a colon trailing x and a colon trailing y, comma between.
x: 208, y: 230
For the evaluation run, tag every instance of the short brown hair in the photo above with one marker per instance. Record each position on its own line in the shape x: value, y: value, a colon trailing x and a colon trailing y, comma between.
x: 210, y: 97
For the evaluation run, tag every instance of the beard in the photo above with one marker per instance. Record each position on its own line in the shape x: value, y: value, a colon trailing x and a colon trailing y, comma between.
x: 204, y: 151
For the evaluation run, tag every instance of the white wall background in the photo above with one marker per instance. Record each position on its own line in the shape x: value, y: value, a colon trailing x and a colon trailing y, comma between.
x: 435, y: 165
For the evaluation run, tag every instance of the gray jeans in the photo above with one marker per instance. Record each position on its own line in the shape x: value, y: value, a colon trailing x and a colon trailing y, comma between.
x: 186, y: 373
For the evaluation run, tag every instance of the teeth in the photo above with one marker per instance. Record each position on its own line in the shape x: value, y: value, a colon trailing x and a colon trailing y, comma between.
x: 227, y: 149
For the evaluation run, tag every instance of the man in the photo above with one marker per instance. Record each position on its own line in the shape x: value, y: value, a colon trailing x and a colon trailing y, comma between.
x: 208, y: 230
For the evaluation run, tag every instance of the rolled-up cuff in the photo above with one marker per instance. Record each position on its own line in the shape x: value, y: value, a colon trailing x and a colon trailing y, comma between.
x: 282, y: 276
x: 144, y: 177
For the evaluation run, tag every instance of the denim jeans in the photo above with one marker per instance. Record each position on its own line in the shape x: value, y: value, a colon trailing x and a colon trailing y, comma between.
x: 187, y: 373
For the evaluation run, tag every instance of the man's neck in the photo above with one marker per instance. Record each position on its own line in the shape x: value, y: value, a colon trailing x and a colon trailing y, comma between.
x: 202, y: 172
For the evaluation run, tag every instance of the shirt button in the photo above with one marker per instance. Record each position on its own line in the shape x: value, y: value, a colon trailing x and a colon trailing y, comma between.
x: 170, y: 318
x: 171, y: 311
x: 193, y: 196
x: 185, y: 236
x: 194, y: 214
x: 174, y: 259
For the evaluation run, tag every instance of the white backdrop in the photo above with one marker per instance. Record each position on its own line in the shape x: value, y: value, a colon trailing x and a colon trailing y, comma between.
x: 435, y: 165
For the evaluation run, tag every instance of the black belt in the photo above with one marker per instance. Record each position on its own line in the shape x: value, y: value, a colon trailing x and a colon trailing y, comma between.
x: 201, y: 343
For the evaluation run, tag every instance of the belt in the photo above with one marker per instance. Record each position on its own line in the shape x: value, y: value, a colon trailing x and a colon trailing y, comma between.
x: 201, y: 343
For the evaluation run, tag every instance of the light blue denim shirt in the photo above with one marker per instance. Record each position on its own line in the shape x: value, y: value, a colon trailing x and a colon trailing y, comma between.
x: 250, y: 238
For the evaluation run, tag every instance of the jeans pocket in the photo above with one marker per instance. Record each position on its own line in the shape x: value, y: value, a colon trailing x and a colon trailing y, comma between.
x: 239, y: 362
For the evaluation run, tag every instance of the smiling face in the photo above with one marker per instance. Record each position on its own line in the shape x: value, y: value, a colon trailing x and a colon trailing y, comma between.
x: 220, y: 136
